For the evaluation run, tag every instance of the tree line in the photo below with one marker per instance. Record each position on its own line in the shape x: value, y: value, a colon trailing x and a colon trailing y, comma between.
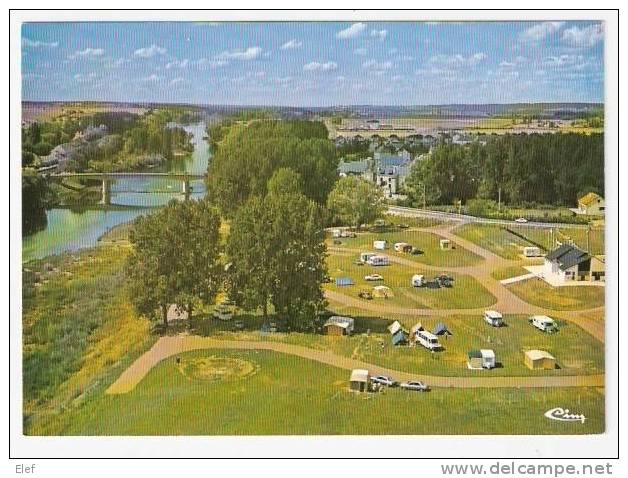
x: 270, y: 181
x: 552, y: 169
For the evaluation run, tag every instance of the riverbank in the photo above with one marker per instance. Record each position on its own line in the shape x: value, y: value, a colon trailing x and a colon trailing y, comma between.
x: 72, y: 228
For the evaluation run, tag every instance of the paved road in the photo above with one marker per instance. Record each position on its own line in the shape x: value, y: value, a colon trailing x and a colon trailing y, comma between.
x: 445, y: 216
x: 169, y: 346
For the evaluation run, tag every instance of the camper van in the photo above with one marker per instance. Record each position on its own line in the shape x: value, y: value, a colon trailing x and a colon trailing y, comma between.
x: 379, y: 245
x: 403, y: 247
x: 532, y: 252
x: 365, y: 256
x: 418, y: 280
x: 544, y: 323
x: 378, y: 261
x: 336, y: 233
x: 428, y: 340
x: 494, y: 318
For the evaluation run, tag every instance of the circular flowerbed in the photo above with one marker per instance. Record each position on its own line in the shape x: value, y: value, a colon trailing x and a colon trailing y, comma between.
x: 215, y: 369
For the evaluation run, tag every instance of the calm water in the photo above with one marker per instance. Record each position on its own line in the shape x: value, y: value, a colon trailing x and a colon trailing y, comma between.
x: 71, y: 230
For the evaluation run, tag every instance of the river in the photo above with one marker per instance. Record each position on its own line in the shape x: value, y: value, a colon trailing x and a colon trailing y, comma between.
x: 69, y: 230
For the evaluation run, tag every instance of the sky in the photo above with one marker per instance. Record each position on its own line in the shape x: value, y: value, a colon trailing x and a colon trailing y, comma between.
x: 314, y: 63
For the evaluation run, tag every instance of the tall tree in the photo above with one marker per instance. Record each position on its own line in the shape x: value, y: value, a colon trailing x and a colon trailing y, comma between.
x: 34, y: 194
x: 355, y: 201
x: 175, y: 258
x: 277, y: 253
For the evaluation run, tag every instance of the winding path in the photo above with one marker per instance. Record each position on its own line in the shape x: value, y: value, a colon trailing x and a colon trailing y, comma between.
x: 506, y: 301
x: 168, y: 346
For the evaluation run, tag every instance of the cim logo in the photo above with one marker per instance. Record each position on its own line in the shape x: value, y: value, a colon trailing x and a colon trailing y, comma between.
x: 564, y: 415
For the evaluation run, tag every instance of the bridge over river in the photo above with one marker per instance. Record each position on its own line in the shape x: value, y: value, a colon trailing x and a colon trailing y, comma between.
x: 108, y: 178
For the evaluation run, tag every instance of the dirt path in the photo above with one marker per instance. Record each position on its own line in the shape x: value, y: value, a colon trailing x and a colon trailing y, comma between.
x: 506, y: 301
x: 169, y: 346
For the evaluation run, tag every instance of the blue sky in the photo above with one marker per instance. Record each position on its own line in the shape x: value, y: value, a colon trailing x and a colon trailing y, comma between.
x: 314, y: 63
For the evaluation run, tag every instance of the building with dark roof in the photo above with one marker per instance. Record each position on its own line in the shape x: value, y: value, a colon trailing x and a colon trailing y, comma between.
x: 569, y: 263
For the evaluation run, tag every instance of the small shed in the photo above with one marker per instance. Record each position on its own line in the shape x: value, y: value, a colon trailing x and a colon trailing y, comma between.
x: 539, y: 360
x: 359, y: 381
x: 382, y: 291
x: 343, y: 281
x: 441, y: 329
x: 481, y: 359
x: 338, y: 325
x: 379, y: 245
x: 176, y: 312
x: 400, y: 337
x: 445, y: 244
x: 394, y: 327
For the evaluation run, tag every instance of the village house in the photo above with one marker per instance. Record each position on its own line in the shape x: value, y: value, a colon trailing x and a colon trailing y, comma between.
x: 591, y: 204
x: 569, y: 263
x: 360, y: 168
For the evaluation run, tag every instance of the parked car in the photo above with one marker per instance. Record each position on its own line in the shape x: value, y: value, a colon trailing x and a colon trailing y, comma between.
x: 373, y: 277
x: 444, y: 280
x: 521, y: 220
x: 544, y: 323
x: 239, y: 324
x: 349, y: 234
x: 359, y: 262
x: 416, y: 251
x: 384, y: 380
x: 327, y: 280
x: 403, y: 226
x: 365, y: 294
x: 415, y: 386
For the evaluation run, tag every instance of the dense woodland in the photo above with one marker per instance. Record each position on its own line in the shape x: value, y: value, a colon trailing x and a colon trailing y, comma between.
x: 553, y: 169
x: 247, y: 156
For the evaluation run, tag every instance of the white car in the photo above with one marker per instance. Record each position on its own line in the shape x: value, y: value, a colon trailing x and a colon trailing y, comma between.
x: 384, y: 380
x: 416, y: 386
x: 521, y: 220
x: 373, y: 277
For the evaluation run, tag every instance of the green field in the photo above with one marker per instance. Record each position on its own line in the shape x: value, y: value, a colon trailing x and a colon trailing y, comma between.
x: 539, y: 292
x: 509, y: 246
x: 466, y: 293
x: 576, y: 352
x: 508, y: 272
x: 287, y: 395
x: 427, y: 242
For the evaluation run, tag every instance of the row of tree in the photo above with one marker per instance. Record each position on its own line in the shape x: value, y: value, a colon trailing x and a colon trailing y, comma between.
x: 551, y: 169
x: 248, y: 156
x: 273, y: 260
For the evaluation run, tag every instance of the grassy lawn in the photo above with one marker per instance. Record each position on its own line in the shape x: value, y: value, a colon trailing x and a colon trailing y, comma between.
x: 288, y: 395
x: 427, y: 242
x: 494, y: 238
x: 466, y: 292
x: 576, y: 352
x: 502, y: 242
x: 539, y: 292
x: 508, y: 272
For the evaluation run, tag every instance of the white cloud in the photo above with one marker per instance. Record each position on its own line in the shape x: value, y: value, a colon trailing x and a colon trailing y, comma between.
x: 26, y: 42
x: 317, y: 66
x: 381, y: 34
x: 88, y: 53
x: 360, y: 51
x: 203, y: 63
x: 377, y: 65
x: 565, y: 62
x: 151, y: 78
x: 457, y: 60
x: 178, y: 64
x: 82, y: 78
x: 353, y: 31
x: 238, y: 54
x: 149, y: 51
x: 584, y: 37
x: 177, y: 81
x: 540, y: 31
x: 291, y: 44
